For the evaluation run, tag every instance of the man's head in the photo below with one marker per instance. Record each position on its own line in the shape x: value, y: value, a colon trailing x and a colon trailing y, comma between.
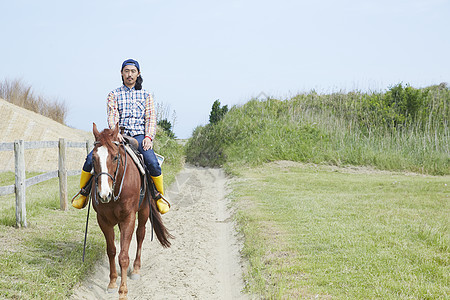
x: 131, y: 74
x: 131, y: 62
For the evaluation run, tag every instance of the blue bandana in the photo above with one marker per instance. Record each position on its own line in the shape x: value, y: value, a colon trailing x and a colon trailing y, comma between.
x: 131, y: 62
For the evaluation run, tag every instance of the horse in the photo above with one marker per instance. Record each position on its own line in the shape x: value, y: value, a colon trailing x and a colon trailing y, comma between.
x: 117, y: 184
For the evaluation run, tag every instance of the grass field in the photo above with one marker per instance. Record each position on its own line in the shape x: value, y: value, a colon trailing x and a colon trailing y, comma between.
x: 328, y: 232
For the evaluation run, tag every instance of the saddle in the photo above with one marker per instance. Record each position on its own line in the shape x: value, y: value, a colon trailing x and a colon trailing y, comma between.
x: 131, y: 146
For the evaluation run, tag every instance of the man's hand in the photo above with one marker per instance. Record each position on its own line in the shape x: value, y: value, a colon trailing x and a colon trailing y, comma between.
x: 147, y: 144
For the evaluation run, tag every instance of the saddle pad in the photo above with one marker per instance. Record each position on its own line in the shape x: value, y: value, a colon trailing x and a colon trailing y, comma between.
x: 135, y: 159
x: 160, y: 158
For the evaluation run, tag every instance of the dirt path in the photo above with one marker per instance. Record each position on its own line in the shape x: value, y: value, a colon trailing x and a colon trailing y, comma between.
x: 203, y: 262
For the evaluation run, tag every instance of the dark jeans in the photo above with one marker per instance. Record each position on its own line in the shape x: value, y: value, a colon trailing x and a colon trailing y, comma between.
x: 150, y: 159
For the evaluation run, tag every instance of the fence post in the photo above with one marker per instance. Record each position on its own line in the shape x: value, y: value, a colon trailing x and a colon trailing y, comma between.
x: 89, y: 146
x: 62, y: 173
x: 21, y: 210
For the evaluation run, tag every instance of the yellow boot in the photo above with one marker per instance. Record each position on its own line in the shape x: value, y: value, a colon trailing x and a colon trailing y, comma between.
x: 80, y: 202
x: 163, y: 207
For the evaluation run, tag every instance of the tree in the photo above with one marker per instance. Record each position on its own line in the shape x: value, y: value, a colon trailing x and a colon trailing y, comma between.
x: 217, y: 112
x: 167, y: 127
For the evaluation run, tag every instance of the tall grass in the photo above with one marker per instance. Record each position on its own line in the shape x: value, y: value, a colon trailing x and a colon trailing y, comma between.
x: 367, y: 129
x: 21, y: 94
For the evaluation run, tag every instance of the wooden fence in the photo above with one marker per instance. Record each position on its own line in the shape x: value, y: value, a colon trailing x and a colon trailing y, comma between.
x: 21, y: 183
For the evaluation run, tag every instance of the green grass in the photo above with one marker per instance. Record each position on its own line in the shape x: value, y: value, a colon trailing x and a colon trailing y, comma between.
x: 44, y: 260
x: 316, y: 231
x: 8, y: 178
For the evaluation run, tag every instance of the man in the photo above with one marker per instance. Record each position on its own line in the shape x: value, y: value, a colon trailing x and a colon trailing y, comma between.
x: 133, y: 108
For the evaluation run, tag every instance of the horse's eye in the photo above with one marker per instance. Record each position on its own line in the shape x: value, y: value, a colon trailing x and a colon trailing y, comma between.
x: 115, y: 158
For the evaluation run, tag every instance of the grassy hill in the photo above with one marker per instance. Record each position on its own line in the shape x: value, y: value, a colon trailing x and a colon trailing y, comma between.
x: 403, y: 129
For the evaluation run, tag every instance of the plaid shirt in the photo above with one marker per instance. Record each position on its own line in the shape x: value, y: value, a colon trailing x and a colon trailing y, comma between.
x: 134, y: 110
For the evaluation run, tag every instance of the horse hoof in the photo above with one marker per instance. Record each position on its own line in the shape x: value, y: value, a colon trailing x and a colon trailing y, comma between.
x: 123, y: 296
x: 135, y: 276
x: 111, y: 291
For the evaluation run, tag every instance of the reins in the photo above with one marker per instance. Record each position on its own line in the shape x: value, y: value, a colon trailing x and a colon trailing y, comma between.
x: 85, y: 231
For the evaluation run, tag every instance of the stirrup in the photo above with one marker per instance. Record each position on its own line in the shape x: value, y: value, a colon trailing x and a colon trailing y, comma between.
x: 162, y: 205
x: 78, y: 196
x: 84, y: 191
x: 161, y: 197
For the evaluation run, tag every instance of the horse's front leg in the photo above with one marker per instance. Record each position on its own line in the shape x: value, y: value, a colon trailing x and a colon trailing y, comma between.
x: 126, y: 233
x: 140, y: 235
x: 108, y: 232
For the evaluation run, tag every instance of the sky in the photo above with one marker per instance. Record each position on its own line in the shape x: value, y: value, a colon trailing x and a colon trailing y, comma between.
x: 192, y: 53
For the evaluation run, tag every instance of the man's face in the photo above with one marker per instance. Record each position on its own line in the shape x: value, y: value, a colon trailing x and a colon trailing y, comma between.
x: 129, y: 74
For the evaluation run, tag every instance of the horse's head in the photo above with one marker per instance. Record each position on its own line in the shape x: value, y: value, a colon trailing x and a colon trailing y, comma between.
x: 106, y: 159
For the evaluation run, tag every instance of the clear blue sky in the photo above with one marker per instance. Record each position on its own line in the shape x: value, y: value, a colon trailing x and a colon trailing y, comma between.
x: 194, y: 52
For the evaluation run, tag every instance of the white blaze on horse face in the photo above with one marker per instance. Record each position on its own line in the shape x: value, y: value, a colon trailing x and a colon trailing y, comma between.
x: 105, y: 189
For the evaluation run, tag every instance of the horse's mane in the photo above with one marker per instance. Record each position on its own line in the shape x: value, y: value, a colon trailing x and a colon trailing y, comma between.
x: 106, y: 138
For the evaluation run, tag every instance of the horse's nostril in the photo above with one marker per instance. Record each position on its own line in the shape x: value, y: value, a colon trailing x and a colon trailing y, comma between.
x: 105, y: 197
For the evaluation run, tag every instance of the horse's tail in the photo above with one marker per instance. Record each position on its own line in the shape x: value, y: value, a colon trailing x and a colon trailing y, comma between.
x: 161, y: 231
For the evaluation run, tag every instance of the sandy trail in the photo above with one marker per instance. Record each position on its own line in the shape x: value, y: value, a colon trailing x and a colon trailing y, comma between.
x: 204, y: 260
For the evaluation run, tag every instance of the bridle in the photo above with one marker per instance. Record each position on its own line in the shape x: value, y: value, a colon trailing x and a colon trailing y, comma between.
x: 113, y: 178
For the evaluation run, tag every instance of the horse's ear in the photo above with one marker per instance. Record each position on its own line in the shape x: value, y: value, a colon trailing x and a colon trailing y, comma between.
x: 95, y: 131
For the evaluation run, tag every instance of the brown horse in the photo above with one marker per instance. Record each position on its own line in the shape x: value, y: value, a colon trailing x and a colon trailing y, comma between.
x: 116, y: 194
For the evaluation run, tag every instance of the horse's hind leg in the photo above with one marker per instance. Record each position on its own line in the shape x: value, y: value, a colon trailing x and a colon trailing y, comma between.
x: 140, y: 235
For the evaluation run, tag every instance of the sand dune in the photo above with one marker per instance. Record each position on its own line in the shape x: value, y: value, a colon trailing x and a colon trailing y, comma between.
x: 17, y: 123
